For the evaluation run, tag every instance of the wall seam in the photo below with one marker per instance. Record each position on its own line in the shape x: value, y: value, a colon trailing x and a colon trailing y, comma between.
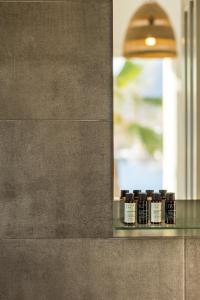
x: 35, y: 1
x: 184, y: 269
x: 112, y: 118
x: 67, y: 120
x: 94, y: 237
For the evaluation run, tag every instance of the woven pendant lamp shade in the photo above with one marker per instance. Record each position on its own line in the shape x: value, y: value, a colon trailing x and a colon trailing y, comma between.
x: 150, y: 34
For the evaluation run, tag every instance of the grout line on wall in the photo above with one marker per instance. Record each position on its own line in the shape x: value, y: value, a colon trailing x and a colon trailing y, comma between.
x: 88, y: 238
x: 66, y: 120
x: 184, y: 269
x: 45, y: 238
x: 33, y: 1
x: 112, y: 115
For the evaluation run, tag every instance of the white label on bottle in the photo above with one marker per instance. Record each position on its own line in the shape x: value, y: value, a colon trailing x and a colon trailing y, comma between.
x: 156, y: 213
x: 129, y: 213
x: 149, y: 198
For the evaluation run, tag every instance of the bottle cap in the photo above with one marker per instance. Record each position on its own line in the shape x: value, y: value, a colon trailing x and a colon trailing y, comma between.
x: 123, y: 193
x: 170, y: 196
x: 136, y: 191
x: 163, y: 192
x: 149, y: 191
x: 143, y: 197
x: 129, y: 196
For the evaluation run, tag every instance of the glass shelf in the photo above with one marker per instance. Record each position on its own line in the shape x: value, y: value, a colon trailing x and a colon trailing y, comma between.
x: 187, y: 222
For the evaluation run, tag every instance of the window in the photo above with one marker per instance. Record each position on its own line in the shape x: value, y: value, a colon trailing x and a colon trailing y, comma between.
x: 148, y: 123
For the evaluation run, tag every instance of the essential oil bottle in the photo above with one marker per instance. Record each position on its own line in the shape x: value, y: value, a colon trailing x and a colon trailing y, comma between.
x: 156, y: 209
x: 170, y: 209
x: 149, y: 194
x: 122, y: 201
x: 136, y: 194
x: 123, y: 194
x: 149, y: 199
x: 130, y: 210
x: 142, y: 209
x: 163, y: 194
x: 163, y: 197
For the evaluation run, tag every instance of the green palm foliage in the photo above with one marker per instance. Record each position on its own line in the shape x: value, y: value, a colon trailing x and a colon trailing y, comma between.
x: 151, y: 140
x: 129, y: 72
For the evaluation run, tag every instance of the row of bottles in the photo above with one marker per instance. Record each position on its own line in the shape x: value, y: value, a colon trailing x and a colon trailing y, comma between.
x: 148, y: 207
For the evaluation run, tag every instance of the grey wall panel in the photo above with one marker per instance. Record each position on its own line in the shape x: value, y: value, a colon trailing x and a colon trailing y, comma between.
x: 56, y: 60
x: 192, y: 269
x: 88, y: 269
x: 55, y: 179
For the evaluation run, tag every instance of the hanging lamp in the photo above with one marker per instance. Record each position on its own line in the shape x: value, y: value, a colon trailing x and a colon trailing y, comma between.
x: 150, y: 34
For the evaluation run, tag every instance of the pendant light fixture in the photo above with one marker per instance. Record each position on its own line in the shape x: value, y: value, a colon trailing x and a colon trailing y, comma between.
x: 150, y: 33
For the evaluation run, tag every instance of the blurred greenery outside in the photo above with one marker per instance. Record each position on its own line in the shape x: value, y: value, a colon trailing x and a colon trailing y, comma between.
x: 137, y: 118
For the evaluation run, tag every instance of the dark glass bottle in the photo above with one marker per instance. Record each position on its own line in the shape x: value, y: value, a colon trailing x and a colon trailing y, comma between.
x: 156, y: 209
x: 170, y: 209
x: 163, y: 194
x: 149, y: 199
x: 163, y: 197
x: 136, y: 194
x: 122, y: 201
x: 129, y: 210
x: 149, y: 194
x: 123, y: 194
x: 142, y: 209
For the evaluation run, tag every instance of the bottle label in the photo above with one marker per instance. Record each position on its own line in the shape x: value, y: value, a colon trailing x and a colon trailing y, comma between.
x: 170, y: 212
x: 156, y: 213
x: 129, y: 213
x: 142, y: 212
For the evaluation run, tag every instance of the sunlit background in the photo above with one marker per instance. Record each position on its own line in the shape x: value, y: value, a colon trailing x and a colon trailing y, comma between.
x: 138, y: 122
x: 145, y: 114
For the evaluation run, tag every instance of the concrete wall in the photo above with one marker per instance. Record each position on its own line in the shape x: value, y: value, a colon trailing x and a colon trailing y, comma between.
x: 55, y: 166
x: 55, y: 110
